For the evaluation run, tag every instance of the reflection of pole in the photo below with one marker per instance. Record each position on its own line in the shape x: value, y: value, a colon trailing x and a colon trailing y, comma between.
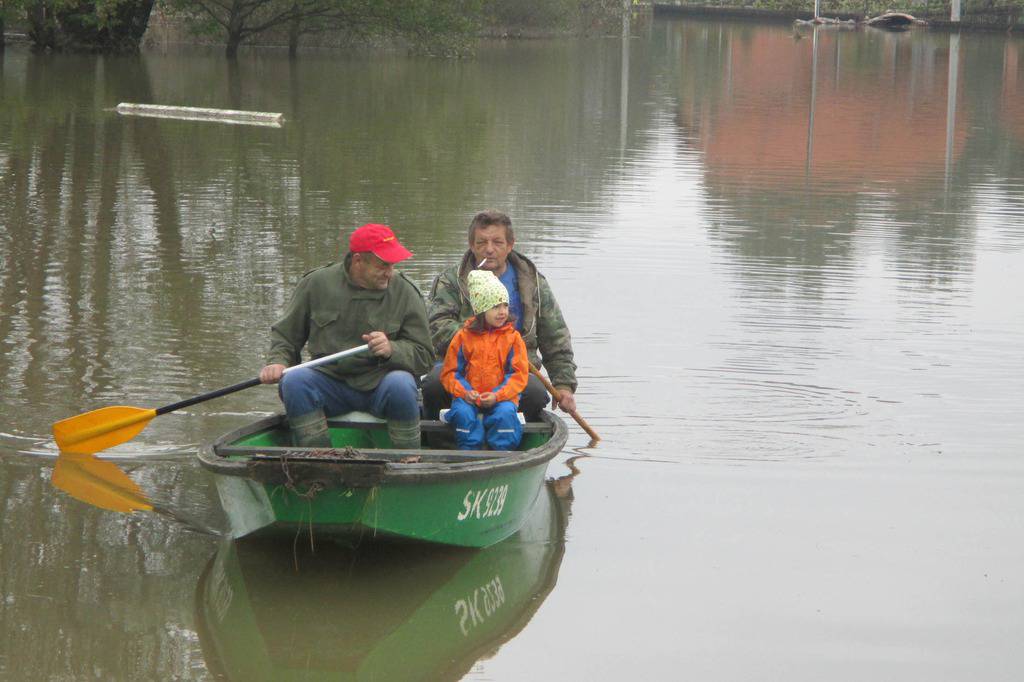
x: 810, y: 115
x: 624, y: 94
x: 1009, y: 70
x: 234, y: 84
x: 951, y: 88
x: 728, y: 73
x: 839, y: 41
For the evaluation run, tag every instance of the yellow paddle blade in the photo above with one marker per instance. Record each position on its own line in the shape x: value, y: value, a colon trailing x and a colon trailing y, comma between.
x: 100, y: 429
x: 98, y: 482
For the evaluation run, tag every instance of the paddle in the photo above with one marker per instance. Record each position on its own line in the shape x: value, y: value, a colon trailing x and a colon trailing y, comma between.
x: 594, y: 438
x: 109, y: 426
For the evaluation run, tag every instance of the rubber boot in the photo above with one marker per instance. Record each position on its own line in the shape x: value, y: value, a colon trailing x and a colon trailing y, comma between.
x: 310, y: 430
x: 404, y: 435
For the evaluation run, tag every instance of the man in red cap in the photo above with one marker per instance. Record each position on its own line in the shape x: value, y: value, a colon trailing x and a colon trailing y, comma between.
x: 344, y: 305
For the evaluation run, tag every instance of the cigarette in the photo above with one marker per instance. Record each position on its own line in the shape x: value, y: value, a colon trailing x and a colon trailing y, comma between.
x: 481, y: 264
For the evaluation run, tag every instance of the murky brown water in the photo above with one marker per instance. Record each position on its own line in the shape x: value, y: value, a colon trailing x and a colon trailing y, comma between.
x: 791, y: 267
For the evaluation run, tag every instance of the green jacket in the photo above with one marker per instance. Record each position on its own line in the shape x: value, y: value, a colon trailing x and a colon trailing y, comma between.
x: 544, y: 328
x: 329, y: 313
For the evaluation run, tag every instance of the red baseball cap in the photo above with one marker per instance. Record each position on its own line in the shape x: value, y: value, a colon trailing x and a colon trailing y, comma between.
x: 378, y: 240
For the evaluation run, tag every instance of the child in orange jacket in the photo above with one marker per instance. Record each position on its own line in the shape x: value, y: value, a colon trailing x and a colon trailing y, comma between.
x: 485, y: 370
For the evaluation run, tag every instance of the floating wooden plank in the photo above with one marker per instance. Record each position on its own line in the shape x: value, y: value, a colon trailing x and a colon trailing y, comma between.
x: 234, y: 116
x: 826, y: 21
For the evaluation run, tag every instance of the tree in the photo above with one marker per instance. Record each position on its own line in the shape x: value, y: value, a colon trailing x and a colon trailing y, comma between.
x: 96, y: 25
x: 433, y: 24
x: 546, y: 16
x: 9, y: 10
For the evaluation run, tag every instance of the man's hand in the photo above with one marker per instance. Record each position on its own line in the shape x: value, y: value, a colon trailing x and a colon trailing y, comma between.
x: 379, y: 344
x: 473, y: 397
x: 487, y: 400
x: 271, y: 374
x: 566, y: 400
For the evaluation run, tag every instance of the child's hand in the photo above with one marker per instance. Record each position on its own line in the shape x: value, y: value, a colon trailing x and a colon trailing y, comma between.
x: 473, y: 397
x: 487, y: 400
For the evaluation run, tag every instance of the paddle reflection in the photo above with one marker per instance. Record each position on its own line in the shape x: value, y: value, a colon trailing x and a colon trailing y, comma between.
x: 268, y: 610
x: 105, y: 485
x: 100, y: 483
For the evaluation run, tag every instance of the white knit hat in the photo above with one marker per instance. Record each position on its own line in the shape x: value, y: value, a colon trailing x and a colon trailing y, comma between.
x: 485, y: 290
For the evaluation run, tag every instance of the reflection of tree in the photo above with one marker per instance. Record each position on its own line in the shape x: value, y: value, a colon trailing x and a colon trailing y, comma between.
x: 91, y: 593
x: 71, y: 575
x: 62, y: 217
x: 1012, y: 91
x: 1007, y: 154
x: 380, y: 129
x: 47, y: 153
x: 808, y: 144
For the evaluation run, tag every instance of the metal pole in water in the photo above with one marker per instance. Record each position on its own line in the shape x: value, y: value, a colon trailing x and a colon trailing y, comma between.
x: 624, y: 76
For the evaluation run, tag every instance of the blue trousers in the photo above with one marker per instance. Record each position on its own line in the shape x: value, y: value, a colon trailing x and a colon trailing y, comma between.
x: 500, y: 426
x: 305, y: 390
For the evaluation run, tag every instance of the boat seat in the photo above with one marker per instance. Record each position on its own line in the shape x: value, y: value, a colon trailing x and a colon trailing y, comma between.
x: 479, y: 416
x: 355, y: 416
x: 365, y: 420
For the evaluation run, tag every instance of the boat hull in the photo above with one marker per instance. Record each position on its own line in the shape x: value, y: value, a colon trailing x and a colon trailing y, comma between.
x: 377, y: 494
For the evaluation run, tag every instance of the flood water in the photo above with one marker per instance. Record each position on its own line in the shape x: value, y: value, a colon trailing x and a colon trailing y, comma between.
x: 791, y: 266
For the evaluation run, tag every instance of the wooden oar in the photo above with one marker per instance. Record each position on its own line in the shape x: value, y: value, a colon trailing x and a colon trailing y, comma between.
x: 594, y: 438
x: 109, y: 426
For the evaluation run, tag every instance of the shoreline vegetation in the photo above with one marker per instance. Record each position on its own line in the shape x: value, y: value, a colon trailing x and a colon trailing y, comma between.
x: 440, y: 27
x: 999, y: 15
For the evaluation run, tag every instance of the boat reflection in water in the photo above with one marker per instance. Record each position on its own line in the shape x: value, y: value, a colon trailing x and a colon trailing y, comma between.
x: 271, y: 610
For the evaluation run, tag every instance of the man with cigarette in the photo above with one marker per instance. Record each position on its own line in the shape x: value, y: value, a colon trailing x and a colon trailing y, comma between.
x: 531, y: 302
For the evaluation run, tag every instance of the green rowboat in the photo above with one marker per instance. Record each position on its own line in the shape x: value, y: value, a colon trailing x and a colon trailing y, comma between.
x: 364, y: 489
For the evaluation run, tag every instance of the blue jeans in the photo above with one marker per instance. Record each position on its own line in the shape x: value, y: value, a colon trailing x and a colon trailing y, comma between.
x: 500, y: 426
x: 304, y: 390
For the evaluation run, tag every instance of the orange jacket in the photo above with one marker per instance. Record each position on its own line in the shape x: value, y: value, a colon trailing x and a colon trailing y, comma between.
x: 490, y: 361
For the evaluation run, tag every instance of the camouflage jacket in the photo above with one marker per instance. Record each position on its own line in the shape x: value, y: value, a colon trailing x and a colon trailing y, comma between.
x: 329, y: 313
x: 544, y: 329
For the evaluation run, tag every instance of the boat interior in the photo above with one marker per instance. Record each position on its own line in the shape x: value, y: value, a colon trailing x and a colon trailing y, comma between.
x: 355, y: 433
